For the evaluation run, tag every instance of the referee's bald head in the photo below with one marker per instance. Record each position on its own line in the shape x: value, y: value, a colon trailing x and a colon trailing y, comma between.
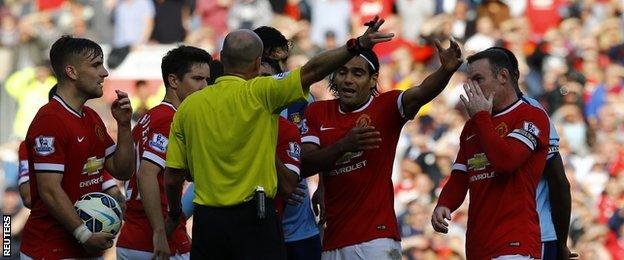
x: 241, y: 50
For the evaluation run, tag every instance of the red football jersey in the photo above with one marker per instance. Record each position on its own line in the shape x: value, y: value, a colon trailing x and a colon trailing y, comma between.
x: 502, y: 217
x: 289, y: 151
x: 151, y: 137
x: 359, y: 198
x: 75, y: 145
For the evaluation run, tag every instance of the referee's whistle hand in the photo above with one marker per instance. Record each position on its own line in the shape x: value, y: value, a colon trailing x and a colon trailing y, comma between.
x: 439, y: 217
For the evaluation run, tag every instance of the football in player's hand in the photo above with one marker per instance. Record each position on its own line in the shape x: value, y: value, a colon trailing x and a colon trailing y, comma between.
x: 99, y: 212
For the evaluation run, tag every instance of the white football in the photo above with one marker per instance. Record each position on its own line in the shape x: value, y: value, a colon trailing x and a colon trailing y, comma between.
x: 100, y: 212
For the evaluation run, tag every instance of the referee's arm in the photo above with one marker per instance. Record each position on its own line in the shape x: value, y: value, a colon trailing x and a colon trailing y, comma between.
x: 174, y: 180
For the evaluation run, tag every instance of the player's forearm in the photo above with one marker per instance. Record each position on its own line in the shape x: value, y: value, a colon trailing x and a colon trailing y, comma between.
x: 174, y: 180
x: 417, y: 96
x: 60, y: 207
x: 322, y: 65
x: 454, y: 191
x: 505, y: 155
x: 150, y: 198
x: 287, y: 180
x: 560, y: 198
x: 314, y: 161
x: 124, y: 157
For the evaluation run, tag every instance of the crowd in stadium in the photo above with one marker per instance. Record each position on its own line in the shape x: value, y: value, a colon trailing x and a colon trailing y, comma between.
x: 570, y: 53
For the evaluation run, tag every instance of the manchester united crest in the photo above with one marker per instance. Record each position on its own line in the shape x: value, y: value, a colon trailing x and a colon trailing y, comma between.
x: 99, y: 132
x: 502, y: 129
x: 363, y: 121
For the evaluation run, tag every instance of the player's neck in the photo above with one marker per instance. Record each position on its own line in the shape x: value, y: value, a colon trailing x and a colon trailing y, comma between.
x: 71, y: 97
x: 172, y: 98
x: 508, y: 101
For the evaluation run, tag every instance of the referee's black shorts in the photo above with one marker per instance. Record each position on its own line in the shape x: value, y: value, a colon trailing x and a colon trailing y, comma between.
x: 236, y: 233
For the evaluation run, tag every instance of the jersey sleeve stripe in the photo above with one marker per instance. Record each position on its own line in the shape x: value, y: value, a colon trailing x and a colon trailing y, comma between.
x: 523, y: 139
x: 22, y: 180
x: 108, y: 184
x: 311, y: 139
x: 459, y: 167
x: 154, y: 158
x: 400, y: 104
x: 293, y: 168
x: 110, y: 150
x: 49, y: 167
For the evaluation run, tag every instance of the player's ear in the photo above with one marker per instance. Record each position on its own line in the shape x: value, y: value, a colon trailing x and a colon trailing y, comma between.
x: 503, y: 76
x: 71, y: 72
x: 173, y: 81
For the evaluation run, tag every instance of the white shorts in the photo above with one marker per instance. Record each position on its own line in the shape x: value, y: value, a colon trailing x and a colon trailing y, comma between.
x: 131, y: 254
x: 26, y: 257
x: 381, y: 248
x: 513, y: 257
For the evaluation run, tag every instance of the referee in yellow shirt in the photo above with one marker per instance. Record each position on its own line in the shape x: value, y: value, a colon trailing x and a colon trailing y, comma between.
x: 225, y: 136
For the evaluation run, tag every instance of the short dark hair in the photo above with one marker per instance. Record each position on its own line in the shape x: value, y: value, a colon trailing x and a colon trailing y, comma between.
x: 67, y: 47
x: 216, y: 70
x: 271, y: 38
x: 499, y: 58
x: 373, y: 67
x: 180, y: 60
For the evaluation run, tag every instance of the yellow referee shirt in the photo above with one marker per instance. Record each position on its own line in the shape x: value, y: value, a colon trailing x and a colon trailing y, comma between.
x: 226, y: 135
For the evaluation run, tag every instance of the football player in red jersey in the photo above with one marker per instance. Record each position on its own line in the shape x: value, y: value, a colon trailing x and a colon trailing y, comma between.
x: 68, y: 148
x: 501, y: 158
x: 109, y: 185
x: 352, y: 140
x: 185, y: 70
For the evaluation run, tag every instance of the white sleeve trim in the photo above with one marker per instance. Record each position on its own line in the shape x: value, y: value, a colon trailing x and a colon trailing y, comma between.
x: 459, y: 167
x: 400, y: 104
x: 108, y: 184
x: 23, y: 179
x: 49, y: 167
x: 522, y: 139
x: 293, y: 168
x: 155, y: 158
x: 110, y: 150
x: 311, y: 139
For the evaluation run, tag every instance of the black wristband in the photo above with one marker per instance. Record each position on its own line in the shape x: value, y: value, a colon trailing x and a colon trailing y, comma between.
x: 353, y: 46
x: 174, y: 214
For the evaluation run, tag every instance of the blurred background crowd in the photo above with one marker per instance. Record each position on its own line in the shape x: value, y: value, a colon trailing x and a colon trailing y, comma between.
x: 571, y: 55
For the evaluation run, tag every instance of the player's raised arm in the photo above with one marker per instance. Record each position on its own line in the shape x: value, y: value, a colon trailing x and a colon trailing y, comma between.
x: 121, y: 164
x: 416, y: 97
x: 327, y: 62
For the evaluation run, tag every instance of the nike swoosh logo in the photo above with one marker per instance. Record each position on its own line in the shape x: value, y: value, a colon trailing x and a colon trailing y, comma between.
x: 326, y: 128
x: 470, y: 137
x: 110, y: 219
x: 80, y: 139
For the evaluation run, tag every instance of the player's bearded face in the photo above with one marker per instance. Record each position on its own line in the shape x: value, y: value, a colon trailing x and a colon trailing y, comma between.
x: 91, y: 76
x: 194, y: 80
x: 354, y: 83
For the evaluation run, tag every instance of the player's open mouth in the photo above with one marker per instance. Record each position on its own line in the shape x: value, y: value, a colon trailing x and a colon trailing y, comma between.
x: 347, y: 92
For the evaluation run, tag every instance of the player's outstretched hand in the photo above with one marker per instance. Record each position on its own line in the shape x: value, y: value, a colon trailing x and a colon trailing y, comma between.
x: 372, y: 35
x: 450, y: 58
x: 121, y: 108
x: 361, y: 138
x: 438, y: 219
x: 564, y: 253
x: 99, y: 241
x: 297, y: 196
x: 161, y: 246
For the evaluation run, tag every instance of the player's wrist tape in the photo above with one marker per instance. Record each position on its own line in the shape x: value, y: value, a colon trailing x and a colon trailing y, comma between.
x: 82, y: 234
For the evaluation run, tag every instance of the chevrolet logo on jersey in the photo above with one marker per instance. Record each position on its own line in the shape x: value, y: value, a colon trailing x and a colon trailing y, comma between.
x: 93, y: 165
x: 478, y: 162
